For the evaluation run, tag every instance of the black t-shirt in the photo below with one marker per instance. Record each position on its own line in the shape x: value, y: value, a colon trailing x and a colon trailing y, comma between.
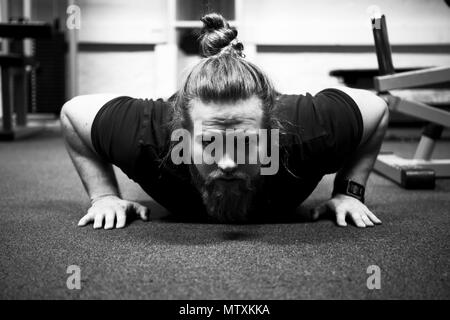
x: 319, y: 134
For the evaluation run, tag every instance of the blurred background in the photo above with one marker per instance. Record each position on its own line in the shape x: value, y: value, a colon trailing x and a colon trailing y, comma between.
x: 52, y: 50
x: 142, y: 48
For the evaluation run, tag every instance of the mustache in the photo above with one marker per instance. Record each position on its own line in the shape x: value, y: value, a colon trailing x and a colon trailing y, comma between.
x: 228, y: 202
x: 220, y: 175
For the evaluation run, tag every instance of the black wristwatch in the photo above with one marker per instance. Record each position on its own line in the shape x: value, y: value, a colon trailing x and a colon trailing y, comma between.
x: 350, y: 188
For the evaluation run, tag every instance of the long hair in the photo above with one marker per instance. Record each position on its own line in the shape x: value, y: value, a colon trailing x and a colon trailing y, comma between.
x: 223, y: 75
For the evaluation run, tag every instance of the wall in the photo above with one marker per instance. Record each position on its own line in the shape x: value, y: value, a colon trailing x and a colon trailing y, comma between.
x: 128, y: 73
x: 125, y: 69
x: 321, y: 36
x: 309, y: 72
x: 299, y: 42
x: 122, y: 21
x: 338, y: 22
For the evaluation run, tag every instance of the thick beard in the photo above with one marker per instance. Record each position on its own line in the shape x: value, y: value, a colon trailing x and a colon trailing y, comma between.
x: 227, y: 201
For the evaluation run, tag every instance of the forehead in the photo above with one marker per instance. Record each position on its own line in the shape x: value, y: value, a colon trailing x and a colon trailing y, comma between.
x: 242, y: 114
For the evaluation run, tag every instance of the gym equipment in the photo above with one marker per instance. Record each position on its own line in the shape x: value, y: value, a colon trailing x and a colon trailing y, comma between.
x: 363, y: 79
x: 421, y: 171
x: 16, y: 64
x: 49, y: 78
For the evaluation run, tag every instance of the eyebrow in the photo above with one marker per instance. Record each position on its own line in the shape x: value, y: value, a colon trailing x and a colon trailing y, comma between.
x: 224, y: 121
x: 245, y: 132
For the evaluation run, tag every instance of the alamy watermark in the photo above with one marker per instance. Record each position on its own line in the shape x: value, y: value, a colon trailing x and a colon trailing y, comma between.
x: 73, y: 282
x: 209, y: 147
x: 73, y: 21
x: 374, y: 280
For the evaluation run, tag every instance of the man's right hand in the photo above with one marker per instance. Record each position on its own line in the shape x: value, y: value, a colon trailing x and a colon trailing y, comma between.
x: 106, y: 211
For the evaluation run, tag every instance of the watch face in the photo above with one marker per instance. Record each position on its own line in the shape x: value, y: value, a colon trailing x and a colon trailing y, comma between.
x: 355, y: 189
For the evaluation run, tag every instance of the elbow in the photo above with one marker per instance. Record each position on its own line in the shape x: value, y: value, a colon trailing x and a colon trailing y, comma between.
x: 64, y: 118
x: 68, y: 109
x: 63, y: 115
x: 384, y: 110
x: 376, y: 121
x: 67, y: 114
x: 383, y: 122
x: 65, y: 109
x: 380, y: 112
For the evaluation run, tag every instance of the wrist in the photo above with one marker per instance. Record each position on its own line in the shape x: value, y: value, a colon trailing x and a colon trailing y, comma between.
x: 349, y: 188
x: 96, y: 198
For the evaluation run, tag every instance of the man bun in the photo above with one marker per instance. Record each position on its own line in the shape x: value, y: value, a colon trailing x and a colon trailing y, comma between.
x: 216, y: 35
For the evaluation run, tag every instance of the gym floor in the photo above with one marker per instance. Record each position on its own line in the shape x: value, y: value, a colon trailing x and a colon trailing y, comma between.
x: 42, y: 200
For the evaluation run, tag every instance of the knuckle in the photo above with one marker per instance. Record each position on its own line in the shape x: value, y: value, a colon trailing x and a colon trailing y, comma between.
x: 110, y: 215
x: 122, y: 203
x: 118, y: 209
x: 355, y: 213
x: 98, y: 214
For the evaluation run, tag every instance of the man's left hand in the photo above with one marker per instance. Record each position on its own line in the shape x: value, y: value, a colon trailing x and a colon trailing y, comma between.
x: 343, y: 205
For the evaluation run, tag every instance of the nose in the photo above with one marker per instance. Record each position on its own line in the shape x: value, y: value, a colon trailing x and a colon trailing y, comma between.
x: 227, y: 164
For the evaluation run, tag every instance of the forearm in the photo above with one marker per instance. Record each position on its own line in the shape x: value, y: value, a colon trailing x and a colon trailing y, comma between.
x: 361, y: 163
x: 97, y: 176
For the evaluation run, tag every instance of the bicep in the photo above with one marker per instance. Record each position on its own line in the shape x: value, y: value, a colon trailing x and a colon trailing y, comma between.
x: 81, y: 112
x: 373, y: 109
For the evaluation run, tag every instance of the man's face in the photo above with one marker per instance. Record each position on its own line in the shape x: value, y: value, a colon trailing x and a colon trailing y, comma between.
x: 225, y: 138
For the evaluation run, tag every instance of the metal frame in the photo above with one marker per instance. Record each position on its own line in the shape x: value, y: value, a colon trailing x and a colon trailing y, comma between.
x: 412, y: 79
x: 421, y: 171
x: 419, y: 110
x: 14, y: 71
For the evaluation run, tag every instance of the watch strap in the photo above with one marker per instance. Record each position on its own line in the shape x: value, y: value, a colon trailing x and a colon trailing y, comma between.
x: 350, y: 188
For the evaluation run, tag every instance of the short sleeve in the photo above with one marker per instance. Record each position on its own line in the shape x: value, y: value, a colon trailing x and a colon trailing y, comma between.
x: 122, y: 125
x: 342, y: 119
x: 321, y: 131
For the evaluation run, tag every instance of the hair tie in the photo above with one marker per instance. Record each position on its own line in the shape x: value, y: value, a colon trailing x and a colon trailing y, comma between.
x: 236, y: 46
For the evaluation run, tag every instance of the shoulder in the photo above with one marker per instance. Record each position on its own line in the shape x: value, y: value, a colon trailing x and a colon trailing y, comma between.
x: 364, y: 99
x: 289, y: 105
x: 81, y: 112
x: 125, y: 108
x: 298, y: 117
x: 372, y: 108
x: 86, y: 105
x: 128, y: 114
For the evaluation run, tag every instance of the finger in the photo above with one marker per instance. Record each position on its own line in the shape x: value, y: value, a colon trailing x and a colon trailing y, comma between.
x: 340, y: 217
x: 98, y: 221
x: 318, y: 211
x: 89, y: 217
x: 144, y: 213
x: 373, y: 217
x: 121, y: 218
x: 141, y: 211
x: 366, y: 220
x: 358, y: 220
x: 109, y: 219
